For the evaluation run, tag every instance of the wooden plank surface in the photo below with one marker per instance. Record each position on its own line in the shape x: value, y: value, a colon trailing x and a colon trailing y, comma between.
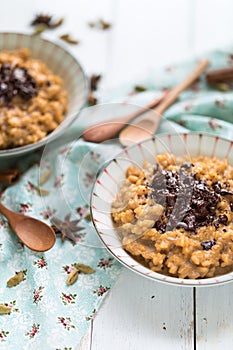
x: 139, y: 313
x: 214, y: 310
x: 143, y: 314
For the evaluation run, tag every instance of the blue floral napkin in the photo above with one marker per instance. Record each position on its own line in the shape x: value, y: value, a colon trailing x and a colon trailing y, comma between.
x: 46, y: 313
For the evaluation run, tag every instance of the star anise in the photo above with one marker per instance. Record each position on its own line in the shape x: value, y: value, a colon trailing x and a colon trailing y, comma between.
x: 67, y: 228
x: 46, y: 20
x: 94, y: 81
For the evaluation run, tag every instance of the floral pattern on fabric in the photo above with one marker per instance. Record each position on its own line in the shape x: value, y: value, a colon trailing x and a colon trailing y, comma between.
x: 43, y: 306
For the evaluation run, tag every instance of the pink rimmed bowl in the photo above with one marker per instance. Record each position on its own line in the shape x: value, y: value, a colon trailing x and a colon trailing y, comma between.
x: 110, y: 179
x: 63, y: 64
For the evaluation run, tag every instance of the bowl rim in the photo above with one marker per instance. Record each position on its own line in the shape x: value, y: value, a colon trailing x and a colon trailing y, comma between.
x: 175, y: 281
x: 17, y: 151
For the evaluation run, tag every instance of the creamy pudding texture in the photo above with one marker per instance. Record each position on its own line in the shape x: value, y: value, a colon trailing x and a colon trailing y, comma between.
x: 175, y: 216
x: 33, y: 101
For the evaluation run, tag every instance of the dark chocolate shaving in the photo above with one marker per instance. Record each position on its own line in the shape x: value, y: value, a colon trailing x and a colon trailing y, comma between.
x: 189, y: 203
x: 15, y: 81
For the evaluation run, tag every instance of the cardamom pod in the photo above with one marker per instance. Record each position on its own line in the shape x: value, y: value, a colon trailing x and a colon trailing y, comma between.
x: 42, y: 192
x: 4, y: 310
x: 84, y: 268
x: 88, y: 217
x: 222, y: 86
x: 16, y: 279
x: 72, y: 277
x: 45, y: 176
x: 40, y: 28
x: 68, y: 39
x: 140, y: 88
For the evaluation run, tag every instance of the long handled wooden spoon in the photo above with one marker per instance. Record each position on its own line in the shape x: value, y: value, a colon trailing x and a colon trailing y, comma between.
x: 146, y: 126
x: 106, y: 130
x: 35, y: 234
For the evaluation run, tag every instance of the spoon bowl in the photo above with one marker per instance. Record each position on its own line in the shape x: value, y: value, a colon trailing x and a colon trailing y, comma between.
x: 35, y: 234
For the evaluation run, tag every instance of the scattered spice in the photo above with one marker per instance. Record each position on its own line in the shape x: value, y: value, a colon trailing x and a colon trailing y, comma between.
x: 140, y: 88
x: 72, y: 277
x: 40, y: 28
x: 94, y: 81
x: 100, y: 24
x: 4, y: 310
x: 16, y: 279
x: 92, y: 100
x: 66, y: 228
x: 68, y: 39
x: 41, y: 191
x: 223, y: 86
x: 45, y: 177
x: 84, y: 268
x: 15, y: 81
x: 47, y: 21
x: 88, y: 217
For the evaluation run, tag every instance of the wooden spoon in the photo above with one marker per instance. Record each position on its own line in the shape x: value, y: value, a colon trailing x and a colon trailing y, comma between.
x: 108, y: 129
x: 34, y: 233
x: 146, y: 126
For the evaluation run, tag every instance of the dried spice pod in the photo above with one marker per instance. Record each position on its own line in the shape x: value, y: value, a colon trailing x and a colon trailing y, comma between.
x: 41, y: 191
x: 222, y: 86
x: 140, y: 88
x: 72, y: 277
x: 40, y: 28
x: 68, y: 39
x: 47, y: 21
x: 100, y: 24
x: 84, y: 268
x: 45, y: 177
x: 66, y: 228
x: 4, y: 310
x: 94, y: 81
x: 92, y: 100
x: 16, y: 279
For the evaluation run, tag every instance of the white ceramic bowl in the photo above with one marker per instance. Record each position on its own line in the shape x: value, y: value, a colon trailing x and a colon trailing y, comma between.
x: 109, y: 180
x: 60, y: 62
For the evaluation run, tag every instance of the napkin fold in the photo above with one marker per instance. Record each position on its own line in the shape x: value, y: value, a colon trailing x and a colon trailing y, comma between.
x: 46, y: 313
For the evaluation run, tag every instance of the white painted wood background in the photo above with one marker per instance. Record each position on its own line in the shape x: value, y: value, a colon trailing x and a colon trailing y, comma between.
x: 142, y: 314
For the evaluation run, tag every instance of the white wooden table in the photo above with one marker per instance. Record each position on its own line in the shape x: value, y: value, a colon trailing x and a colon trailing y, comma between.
x: 139, y: 313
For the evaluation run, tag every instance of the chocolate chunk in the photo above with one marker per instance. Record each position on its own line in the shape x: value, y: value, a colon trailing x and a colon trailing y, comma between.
x: 15, y: 81
x: 189, y: 202
x: 223, y: 219
x: 207, y: 245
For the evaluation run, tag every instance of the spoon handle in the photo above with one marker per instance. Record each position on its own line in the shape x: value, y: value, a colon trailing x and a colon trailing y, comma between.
x: 176, y: 91
x: 147, y: 124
